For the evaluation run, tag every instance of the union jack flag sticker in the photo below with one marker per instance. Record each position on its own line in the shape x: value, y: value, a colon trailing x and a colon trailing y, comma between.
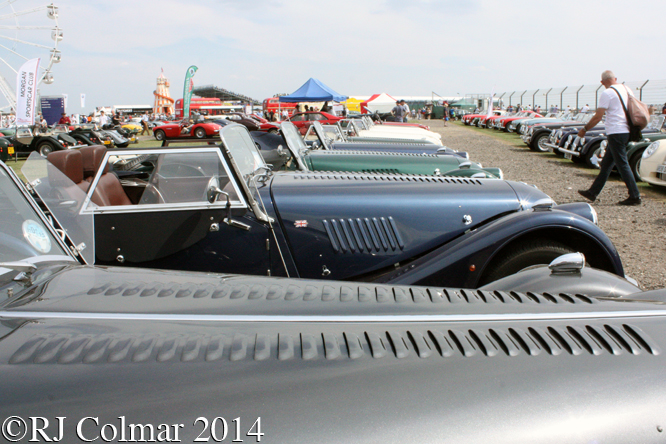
x: 301, y: 223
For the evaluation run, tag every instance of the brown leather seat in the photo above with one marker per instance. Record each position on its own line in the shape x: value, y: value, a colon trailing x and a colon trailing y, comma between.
x: 92, y: 158
x: 76, y: 164
x: 69, y: 162
x: 110, y: 192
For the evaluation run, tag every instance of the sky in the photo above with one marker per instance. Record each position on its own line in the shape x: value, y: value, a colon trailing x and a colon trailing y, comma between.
x: 113, y: 51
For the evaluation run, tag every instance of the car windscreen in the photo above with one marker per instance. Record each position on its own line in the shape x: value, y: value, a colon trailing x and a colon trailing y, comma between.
x: 656, y: 122
x: 295, y: 143
x: 65, y: 200
x: 243, y: 150
x: 25, y: 235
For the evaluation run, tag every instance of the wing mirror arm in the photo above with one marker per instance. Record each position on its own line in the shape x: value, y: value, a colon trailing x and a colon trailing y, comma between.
x: 213, y: 194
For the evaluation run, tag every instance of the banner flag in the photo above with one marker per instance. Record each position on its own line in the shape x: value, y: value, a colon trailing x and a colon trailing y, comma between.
x: 26, y: 92
x: 187, y: 90
x: 490, y: 103
x: 83, y: 100
x: 64, y: 96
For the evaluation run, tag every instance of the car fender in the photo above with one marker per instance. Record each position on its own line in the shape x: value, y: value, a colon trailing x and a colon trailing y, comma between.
x: 589, y: 143
x: 587, y: 281
x: 469, y: 255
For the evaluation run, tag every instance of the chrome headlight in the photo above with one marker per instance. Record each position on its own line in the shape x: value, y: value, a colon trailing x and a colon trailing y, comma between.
x: 559, y: 134
x: 582, y: 140
x: 651, y: 149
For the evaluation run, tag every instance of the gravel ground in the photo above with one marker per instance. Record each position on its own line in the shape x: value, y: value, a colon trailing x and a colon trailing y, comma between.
x: 637, y: 232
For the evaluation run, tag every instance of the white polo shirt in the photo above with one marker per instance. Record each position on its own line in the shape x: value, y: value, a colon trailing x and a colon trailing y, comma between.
x: 616, y: 120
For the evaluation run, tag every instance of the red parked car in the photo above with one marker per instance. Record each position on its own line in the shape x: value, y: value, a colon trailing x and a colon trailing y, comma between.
x: 504, y: 121
x: 199, y: 130
x: 302, y: 121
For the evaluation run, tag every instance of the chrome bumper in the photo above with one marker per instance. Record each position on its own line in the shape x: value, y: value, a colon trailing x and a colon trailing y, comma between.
x: 552, y: 147
x: 566, y: 151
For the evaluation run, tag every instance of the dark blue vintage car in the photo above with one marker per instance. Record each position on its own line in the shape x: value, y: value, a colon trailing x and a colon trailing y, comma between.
x: 222, y: 209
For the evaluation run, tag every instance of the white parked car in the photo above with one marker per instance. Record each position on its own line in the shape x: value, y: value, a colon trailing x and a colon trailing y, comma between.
x: 652, y: 168
x: 361, y: 129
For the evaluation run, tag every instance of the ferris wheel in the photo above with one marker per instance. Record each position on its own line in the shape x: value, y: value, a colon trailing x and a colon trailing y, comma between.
x: 26, y: 33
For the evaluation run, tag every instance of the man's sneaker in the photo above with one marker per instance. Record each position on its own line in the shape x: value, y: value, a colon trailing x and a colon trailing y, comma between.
x: 630, y: 201
x: 588, y: 195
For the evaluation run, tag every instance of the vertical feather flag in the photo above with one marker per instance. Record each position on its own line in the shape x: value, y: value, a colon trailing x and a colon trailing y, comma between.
x: 187, y: 90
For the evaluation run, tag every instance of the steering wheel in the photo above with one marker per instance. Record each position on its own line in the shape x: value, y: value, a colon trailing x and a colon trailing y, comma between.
x: 181, y: 170
x: 151, y: 195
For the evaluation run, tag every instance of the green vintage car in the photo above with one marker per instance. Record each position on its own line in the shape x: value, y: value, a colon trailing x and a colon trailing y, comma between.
x: 306, y: 157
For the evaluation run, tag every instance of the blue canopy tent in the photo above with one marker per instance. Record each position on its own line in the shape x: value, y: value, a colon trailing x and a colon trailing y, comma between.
x: 313, y: 91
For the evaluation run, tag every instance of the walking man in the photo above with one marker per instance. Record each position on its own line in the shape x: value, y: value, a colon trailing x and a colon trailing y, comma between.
x: 398, y: 112
x: 617, y: 131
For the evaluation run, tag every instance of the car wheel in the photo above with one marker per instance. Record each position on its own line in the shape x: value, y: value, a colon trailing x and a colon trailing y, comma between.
x: 539, y: 143
x: 593, y: 156
x: 523, y: 255
x: 159, y: 135
x: 45, y: 148
x: 200, y: 133
x: 635, y: 164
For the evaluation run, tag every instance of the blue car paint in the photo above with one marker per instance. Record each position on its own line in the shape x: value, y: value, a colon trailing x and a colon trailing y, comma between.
x: 481, y: 245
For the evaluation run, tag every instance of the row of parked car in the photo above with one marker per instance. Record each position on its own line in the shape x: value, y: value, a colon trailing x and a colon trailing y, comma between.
x: 25, y: 140
x: 558, y: 133
x: 357, y: 268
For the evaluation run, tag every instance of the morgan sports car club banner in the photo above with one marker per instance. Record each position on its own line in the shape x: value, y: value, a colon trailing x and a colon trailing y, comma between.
x: 490, y: 103
x: 26, y: 92
x: 83, y: 100
x: 187, y: 90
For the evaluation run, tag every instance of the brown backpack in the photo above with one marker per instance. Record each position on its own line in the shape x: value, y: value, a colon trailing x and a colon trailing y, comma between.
x: 637, y: 112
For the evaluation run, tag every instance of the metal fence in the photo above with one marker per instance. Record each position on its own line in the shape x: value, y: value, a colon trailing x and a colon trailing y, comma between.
x: 652, y: 92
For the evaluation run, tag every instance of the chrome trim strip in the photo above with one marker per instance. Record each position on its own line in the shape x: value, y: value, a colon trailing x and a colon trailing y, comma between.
x: 334, y: 318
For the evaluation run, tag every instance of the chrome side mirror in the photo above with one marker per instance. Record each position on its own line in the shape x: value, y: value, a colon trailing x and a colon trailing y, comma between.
x: 571, y: 263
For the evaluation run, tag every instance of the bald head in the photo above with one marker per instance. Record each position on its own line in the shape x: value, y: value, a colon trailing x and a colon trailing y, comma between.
x: 607, y: 75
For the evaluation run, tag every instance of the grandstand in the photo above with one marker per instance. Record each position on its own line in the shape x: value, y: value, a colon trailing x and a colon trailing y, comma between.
x: 223, y: 94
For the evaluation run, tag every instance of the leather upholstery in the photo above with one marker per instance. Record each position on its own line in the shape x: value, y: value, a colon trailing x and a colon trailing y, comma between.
x: 69, y: 162
x: 92, y: 158
x: 73, y: 163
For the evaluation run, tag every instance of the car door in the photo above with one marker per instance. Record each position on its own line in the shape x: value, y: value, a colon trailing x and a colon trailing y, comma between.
x: 160, y: 214
x: 299, y: 120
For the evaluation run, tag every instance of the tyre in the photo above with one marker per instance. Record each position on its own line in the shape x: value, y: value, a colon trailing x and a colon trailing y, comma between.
x: 593, y: 155
x: 45, y: 148
x: 159, y: 135
x: 635, y: 164
x: 200, y: 133
x: 523, y: 255
x: 538, y: 143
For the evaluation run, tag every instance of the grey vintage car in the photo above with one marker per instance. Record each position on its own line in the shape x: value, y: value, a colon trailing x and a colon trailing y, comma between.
x: 107, y: 354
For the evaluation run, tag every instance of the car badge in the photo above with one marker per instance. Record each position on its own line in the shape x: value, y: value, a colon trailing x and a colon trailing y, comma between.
x: 301, y: 224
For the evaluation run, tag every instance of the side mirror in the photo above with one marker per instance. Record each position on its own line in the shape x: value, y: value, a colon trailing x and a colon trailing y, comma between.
x: 213, y: 192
